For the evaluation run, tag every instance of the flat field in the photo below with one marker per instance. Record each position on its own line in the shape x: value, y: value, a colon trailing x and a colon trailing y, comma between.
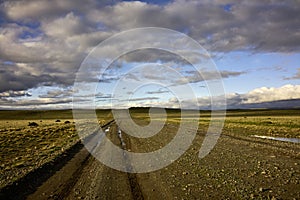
x: 240, y: 166
x: 24, y: 148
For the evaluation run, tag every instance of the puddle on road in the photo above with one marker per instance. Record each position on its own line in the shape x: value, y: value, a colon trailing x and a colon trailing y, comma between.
x: 294, y: 140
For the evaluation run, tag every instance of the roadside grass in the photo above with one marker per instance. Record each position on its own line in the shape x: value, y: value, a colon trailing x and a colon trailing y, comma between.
x: 277, y: 126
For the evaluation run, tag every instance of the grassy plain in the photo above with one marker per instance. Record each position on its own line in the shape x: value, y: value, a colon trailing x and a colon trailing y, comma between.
x: 24, y: 148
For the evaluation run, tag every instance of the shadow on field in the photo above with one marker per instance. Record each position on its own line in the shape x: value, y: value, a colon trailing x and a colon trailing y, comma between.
x: 29, y: 183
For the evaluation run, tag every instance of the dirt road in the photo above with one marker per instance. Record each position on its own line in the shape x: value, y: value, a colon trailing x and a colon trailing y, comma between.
x: 237, y: 168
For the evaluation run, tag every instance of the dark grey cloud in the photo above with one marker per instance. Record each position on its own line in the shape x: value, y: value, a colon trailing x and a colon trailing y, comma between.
x: 6, y: 103
x: 195, y: 76
x: 141, y: 99
x: 290, y: 103
x: 12, y: 78
x: 58, y: 93
x: 18, y: 77
x: 160, y: 91
x: 169, y: 77
x: 103, y: 96
x: 227, y: 74
x: 153, y: 55
x: 107, y: 80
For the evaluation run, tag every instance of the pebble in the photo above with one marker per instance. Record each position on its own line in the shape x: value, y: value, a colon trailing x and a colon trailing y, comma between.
x: 263, y: 189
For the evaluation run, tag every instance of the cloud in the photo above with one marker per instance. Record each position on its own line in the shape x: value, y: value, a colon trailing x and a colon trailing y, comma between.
x: 14, y: 94
x: 206, y: 21
x: 141, y: 99
x: 195, y: 76
x: 59, y: 93
x: 265, y: 94
x: 152, y: 55
x: 160, y: 91
x: 17, y: 78
x: 34, y: 102
x: 227, y: 74
x: 296, y: 76
x: 131, y: 76
x: 103, y: 96
x: 280, y: 104
x: 287, y: 96
x: 40, y: 9
x: 72, y: 25
x: 212, y: 25
x: 174, y: 74
x: 46, y: 41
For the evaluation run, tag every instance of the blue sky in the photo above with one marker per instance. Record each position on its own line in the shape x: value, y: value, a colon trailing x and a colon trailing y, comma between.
x: 261, y: 70
x: 254, y: 44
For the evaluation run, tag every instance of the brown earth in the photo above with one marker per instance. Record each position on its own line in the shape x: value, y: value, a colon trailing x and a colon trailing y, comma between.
x: 237, y: 168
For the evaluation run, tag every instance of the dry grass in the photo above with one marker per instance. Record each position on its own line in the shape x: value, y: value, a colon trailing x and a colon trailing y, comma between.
x: 25, y: 148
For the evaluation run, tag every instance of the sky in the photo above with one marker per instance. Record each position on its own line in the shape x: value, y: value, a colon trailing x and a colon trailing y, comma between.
x: 44, y: 45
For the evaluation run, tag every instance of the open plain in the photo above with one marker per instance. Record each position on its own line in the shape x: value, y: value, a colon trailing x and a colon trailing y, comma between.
x: 48, y: 161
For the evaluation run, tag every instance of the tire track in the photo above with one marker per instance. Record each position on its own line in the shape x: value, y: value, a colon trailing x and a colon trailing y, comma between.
x: 133, y: 181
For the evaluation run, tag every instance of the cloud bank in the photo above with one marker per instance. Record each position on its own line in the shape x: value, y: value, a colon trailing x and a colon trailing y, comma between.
x: 43, y: 42
x: 287, y: 96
